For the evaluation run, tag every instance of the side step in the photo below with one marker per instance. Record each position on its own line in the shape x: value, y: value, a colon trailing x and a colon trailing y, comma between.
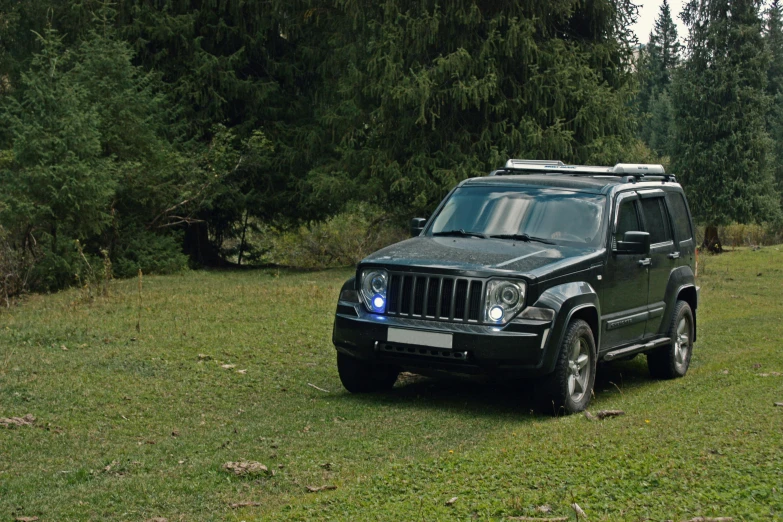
x: 636, y: 348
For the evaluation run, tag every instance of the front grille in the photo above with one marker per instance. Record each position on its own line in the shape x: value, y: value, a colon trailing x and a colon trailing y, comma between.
x: 435, y: 297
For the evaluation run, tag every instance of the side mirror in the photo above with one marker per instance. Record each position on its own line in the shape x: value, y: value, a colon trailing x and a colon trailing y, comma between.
x: 417, y: 226
x: 634, y: 243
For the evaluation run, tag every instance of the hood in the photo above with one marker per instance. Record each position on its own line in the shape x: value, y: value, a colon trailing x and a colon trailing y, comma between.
x: 476, y: 254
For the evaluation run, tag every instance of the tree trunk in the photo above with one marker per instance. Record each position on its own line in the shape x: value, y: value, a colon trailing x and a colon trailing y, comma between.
x: 199, y: 247
x: 711, y: 240
x: 242, y: 241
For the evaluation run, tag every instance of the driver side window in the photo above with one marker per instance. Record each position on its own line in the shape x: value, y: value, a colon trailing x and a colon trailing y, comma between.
x: 627, y: 219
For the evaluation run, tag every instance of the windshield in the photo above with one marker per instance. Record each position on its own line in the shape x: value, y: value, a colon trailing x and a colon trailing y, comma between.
x: 545, y: 215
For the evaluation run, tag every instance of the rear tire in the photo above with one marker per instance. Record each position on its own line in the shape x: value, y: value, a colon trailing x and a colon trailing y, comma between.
x: 360, y: 376
x: 672, y: 361
x: 569, y: 388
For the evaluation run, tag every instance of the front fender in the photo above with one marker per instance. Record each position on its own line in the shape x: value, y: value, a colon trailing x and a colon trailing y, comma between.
x: 566, y: 300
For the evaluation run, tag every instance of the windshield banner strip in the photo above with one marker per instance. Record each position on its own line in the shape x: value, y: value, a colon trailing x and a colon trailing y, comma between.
x: 504, y: 263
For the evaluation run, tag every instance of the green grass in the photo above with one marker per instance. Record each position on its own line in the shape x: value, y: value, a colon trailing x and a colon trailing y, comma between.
x: 104, y: 447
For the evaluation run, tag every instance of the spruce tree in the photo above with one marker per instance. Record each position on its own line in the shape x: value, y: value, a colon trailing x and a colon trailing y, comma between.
x: 774, y: 39
x: 660, y: 57
x: 431, y: 95
x: 722, y: 150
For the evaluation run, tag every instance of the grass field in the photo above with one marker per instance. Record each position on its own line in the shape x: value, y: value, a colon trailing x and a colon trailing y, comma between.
x: 132, y: 425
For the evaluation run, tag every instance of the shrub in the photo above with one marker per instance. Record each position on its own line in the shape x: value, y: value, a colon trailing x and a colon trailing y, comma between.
x: 342, y: 240
x: 149, y: 252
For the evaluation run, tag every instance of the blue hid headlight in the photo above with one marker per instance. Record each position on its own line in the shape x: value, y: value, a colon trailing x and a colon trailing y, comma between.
x: 504, y: 299
x: 374, y: 285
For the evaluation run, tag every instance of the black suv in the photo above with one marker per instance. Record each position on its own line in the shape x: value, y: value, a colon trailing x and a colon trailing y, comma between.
x: 538, y: 269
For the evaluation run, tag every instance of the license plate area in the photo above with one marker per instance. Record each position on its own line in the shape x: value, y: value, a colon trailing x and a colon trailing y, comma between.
x: 419, y: 338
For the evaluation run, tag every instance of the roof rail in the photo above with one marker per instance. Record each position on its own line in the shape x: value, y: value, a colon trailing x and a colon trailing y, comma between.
x: 520, y: 163
x: 635, y: 170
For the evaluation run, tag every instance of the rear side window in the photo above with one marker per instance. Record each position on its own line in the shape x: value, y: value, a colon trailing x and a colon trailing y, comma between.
x: 682, y: 225
x: 656, y: 222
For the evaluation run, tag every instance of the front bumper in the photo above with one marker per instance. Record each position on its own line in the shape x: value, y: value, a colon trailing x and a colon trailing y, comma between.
x: 516, y: 349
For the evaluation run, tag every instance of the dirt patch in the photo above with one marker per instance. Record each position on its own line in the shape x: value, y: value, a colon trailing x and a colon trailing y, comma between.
x: 12, y: 422
x: 245, y: 467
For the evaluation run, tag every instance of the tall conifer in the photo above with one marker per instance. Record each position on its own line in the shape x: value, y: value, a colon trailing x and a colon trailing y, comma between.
x: 722, y: 147
x: 774, y: 38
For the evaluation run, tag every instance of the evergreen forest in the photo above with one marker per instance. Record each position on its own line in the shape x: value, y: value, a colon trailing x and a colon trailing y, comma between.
x: 154, y: 135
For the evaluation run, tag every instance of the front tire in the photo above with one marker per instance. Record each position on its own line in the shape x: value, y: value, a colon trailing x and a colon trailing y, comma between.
x: 673, y: 360
x: 360, y: 376
x: 570, y: 387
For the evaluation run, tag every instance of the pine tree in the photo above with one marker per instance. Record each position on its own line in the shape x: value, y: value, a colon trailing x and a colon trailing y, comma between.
x: 660, y: 57
x: 722, y: 148
x: 432, y: 95
x: 774, y: 39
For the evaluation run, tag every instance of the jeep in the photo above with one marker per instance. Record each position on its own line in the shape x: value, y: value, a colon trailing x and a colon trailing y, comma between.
x: 539, y: 269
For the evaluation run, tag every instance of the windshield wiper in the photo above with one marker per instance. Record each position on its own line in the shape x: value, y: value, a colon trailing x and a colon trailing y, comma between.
x: 522, y: 237
x: 461, y: 232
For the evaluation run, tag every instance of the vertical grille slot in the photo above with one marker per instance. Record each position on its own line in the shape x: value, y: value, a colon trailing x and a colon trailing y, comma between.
x: 405, y: 297
x: 445, y: 298
x: 460, y: 298
x: 474, y: 308
x: 432, y: 296
x: 394, y: 294
x: 418, y: 302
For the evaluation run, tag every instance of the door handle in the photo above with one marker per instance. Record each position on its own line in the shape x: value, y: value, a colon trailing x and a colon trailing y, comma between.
x: 674, y: 255
x: 645, y: 262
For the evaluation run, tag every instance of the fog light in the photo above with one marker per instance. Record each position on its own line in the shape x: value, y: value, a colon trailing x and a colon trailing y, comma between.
x: 496, y: 313
x: 378, y: 303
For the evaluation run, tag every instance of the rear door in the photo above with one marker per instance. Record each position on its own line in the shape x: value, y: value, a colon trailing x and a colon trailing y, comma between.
x: 662, y: 258
x: 685, y: 245
x: 624, y: 294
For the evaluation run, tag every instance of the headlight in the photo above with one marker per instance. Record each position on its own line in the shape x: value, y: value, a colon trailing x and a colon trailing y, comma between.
x: 374, y: 285
x: 504, y: 299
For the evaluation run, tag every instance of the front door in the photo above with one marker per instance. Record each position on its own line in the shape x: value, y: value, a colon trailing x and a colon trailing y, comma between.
x: 624, y: 299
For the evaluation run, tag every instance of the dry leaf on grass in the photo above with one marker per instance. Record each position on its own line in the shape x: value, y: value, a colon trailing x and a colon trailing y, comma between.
x: 204, y: 357
x: 227, y: 366
x: 316, y: 489
x: 245, y: 467
x: 451, y: 501
x: 26, y: 519
x: 779, y: 404
x: 157, y: 519
x: 11, y: 422
x: 544, y: 509
x: 770, y: 374
x: 244, y: 504
x: 710, y: 519
x: 242, y: 372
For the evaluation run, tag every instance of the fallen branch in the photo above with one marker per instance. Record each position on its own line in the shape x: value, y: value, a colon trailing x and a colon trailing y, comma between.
x: 531, y: 519
x: 603, y: 414
x: 317, y: 388
x: 244, y: 504
x: 316, y: 489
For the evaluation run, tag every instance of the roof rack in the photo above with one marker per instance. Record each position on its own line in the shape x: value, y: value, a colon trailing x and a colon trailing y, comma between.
x: 633, y: 171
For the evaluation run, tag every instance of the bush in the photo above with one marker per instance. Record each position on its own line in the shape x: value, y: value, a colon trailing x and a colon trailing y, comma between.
x: 149, y: 252
x: 15, y: 268
x: 738, y: 234
x: 342, y: 240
